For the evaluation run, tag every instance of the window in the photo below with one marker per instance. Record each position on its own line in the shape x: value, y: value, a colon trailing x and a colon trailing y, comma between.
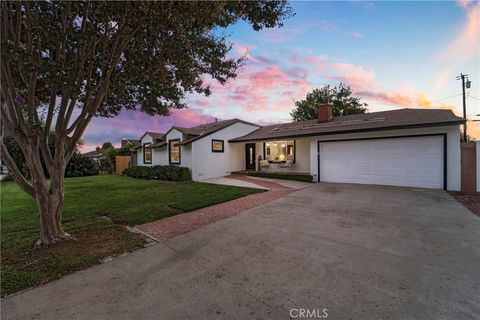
x: 217, y: 145
x: 147, y: 152
x: 174, y: 151
x: 279, y: 151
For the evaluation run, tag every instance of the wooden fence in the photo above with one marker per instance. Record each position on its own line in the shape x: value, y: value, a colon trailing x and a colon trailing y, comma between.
x: 121, y: 163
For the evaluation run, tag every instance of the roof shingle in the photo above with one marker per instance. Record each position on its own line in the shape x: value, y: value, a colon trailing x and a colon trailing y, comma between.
x: 393, y: 119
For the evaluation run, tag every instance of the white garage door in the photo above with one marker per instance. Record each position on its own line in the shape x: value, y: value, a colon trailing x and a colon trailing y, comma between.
x: 410, y: 162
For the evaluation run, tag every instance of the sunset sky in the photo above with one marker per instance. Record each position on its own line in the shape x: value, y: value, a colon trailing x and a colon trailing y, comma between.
x: 393, y: 55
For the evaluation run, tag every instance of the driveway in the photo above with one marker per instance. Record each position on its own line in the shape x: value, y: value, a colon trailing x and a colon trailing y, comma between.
x: 361, y: 252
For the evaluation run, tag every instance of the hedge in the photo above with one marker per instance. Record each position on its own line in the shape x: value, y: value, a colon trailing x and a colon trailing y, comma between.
x: 170, y: 173
x: 279, y: 175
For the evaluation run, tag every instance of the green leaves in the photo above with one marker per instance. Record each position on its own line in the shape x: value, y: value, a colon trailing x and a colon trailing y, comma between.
x: 341, y: 98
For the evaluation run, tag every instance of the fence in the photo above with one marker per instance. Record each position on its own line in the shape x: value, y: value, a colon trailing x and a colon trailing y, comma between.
x: 121, y: 163
x: 470, y: 157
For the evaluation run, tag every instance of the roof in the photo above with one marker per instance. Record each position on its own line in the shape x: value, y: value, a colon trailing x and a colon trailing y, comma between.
x: 374, y: 121
x: 200, y: 131
x: 159, y: 144
x: 92, y: 154
x: 154, y: 135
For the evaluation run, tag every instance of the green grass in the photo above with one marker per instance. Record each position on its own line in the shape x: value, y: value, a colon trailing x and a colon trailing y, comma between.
x: 88, y: 201
x: 281, y: 175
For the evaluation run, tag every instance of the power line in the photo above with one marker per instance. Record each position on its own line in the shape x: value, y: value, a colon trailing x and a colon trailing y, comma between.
x: 474, y: 98
x: 455, y: 95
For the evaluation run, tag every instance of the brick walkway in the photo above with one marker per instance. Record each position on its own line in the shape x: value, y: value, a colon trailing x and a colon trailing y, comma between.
x: 173, y: 226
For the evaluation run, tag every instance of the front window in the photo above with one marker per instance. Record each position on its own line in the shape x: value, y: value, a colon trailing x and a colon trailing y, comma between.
x: 217, y: 145
x: 280, y: 151
x: 147, y: 153
x: 174, y: 147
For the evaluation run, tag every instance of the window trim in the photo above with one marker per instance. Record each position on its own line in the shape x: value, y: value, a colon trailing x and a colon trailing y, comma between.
x: 294, y: 150
x: 223, y: 145
x: 170, y: 152
x: 151, y: 153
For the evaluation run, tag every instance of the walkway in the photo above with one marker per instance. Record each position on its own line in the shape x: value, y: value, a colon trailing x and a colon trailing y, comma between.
x: 173, y: 226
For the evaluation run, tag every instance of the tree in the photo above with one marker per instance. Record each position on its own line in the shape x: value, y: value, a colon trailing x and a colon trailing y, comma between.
x: 63, y: 63
x: 341, y: 98
x: 107, y: 145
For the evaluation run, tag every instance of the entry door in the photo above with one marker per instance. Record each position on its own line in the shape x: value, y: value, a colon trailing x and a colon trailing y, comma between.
x: 409, y: 161
x: 250, y: 156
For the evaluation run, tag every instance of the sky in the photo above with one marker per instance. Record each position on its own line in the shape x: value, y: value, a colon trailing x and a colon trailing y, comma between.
x: 392, y: 54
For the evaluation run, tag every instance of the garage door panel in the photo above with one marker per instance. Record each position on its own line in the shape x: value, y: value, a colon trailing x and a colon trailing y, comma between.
x: 412, y: 161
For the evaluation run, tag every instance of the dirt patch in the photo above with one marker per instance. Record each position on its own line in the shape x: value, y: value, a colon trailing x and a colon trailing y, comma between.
x: 470, y: 200
x: 36, y: 266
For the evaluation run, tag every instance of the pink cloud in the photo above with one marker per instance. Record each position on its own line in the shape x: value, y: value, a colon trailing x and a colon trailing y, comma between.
x: 388, y: 98
x: 350, y: 74
x: 262, y: 88
x: 364, y: 84
x: 466, y: 45
x: 463, y: 3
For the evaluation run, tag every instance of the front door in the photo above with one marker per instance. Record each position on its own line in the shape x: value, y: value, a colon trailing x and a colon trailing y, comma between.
x: 250, y: 156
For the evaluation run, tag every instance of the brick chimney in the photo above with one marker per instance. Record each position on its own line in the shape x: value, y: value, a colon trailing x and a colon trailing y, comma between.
x: 325, y: 112
x: 124, y: 142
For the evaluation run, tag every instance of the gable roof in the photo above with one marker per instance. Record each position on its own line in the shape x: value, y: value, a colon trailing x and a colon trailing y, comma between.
x: 374, y: 121
x: 200, y: 131
x: 154, y: 135
x: 92, y: 154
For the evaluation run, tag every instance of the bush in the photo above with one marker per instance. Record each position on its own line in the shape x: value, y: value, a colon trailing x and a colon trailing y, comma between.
x: 279, y: 175
x: 170, y: 173
x: 106, y: 165
x: 80, y: 166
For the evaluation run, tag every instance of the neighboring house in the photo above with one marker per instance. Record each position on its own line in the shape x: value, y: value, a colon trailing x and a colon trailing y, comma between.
x: 129, y: 143
x: 94, y: 155
x: 406, y: 147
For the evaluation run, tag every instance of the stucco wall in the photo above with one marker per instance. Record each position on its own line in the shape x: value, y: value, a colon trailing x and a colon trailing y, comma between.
x: 453, y: 148
x: 160, y: 156
x: 207, y: 164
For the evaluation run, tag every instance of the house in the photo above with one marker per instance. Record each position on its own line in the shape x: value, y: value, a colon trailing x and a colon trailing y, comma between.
x: 94, y: 155
x: 129, y: 143
x: 406, y: 147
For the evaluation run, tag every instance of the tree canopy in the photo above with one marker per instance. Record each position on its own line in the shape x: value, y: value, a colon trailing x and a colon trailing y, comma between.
x: 341, y: 98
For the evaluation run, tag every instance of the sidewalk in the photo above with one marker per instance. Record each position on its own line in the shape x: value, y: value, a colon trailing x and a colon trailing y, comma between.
x: 173, y: 226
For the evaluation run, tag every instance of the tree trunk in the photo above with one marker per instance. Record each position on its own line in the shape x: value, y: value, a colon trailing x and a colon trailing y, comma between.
x: 49, y: 198
x: 50, y: 206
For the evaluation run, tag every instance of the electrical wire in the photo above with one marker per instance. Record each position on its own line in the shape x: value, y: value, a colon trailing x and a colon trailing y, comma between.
x: 456, y: 95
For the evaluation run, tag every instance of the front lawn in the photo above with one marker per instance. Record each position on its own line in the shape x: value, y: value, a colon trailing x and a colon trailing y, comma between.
x: 96, y: 208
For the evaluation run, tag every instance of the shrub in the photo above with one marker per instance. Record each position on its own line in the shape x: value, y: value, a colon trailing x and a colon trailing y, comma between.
x: 279, y: 175
x: 81, y: 166
x: 106, y: 165
x: 170, y: 173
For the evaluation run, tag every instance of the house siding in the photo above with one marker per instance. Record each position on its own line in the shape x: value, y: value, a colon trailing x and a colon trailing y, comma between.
x: 210, y: 164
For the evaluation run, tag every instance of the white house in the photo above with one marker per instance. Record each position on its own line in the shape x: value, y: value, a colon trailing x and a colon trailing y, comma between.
x: 406, y: 147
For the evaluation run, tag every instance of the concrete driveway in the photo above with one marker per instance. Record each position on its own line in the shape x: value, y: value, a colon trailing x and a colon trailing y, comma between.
x: 361, y: 252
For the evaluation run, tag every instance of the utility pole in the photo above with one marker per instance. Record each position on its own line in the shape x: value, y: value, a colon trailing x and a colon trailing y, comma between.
x: 464, y: 77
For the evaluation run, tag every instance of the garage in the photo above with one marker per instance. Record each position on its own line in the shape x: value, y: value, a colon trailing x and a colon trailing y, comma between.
x: 414, y: 161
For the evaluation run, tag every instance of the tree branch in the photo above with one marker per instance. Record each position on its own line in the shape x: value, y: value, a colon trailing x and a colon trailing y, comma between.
x: 14, y: 172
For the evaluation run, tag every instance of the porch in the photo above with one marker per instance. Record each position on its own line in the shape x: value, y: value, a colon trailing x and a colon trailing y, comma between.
x: 286, y: 156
